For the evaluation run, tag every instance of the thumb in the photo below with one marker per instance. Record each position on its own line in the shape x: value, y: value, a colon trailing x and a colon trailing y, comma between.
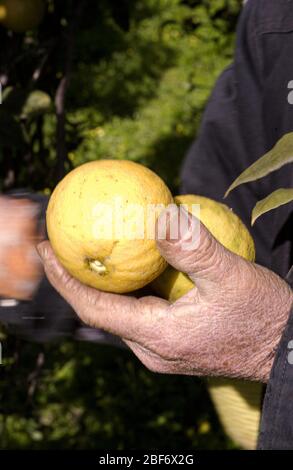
x: 189, y: 247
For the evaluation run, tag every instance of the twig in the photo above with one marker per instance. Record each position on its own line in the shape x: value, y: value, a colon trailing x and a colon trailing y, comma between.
x: 47, y: 49
x: 34, y: 376
x: 60, y: 97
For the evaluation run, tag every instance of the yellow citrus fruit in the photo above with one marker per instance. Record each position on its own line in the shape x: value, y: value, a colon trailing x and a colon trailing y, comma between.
x: 238, y: 404
x: 224, y: 225
x: 97, y: 224
x: 21, y: 15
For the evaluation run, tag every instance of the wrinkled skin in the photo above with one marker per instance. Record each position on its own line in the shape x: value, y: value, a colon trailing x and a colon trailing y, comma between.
x: 20, y: 267
x: 230, y: 324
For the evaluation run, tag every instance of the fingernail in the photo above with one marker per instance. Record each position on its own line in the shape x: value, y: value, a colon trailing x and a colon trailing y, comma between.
x: 42, y: 251
x: 186, y: 222
x: 173, y: 221
x: 185, y: 225
x: 168, y: 218
x: 173, y: 224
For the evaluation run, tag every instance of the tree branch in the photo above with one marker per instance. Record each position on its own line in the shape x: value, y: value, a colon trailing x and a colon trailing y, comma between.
x: 60, y: 96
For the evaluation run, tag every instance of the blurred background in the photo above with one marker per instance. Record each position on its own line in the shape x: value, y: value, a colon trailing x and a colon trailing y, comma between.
x: 106, y: 79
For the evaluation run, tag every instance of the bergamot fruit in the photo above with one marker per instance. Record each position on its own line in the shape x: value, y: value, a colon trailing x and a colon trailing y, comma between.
x: 97, y: 221
x: 224, y: 225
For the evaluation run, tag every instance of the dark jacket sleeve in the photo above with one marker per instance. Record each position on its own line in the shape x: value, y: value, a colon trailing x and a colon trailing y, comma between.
x: 276, y: 431
x: 248, y: 112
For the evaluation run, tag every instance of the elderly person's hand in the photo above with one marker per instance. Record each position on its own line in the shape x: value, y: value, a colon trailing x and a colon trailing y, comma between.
x: 20, y: 267
x: 230, y: 324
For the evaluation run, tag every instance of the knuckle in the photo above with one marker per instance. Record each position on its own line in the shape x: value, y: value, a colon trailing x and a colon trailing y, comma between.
x: 150, y: 359
x: 167, y: 351
x: 66, y: 280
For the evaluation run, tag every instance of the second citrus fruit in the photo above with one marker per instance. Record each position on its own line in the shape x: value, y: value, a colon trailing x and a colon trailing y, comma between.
x: 224, y: 225
x: 21, y: 15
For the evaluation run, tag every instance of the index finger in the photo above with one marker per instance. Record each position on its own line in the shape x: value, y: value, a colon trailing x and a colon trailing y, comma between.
x: 124, y: 316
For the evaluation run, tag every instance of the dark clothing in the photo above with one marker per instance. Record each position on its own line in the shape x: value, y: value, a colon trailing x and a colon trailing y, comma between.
x: 276, y: 430
x: 247, y: 114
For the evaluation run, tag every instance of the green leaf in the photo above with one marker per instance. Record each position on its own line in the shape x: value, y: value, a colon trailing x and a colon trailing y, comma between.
x: 38, y: 102
x: 280, y: 155
x: 277, y: 198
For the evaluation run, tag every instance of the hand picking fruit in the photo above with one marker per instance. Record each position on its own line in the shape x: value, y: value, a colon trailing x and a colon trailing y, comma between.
x: 228, y: 324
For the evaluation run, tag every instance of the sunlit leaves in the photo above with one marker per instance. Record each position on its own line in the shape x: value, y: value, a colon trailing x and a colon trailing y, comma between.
x: 281, y: 154
x: 274, y: 200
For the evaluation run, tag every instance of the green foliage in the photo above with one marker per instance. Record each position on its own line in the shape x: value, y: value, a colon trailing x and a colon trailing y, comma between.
x: 92, y: 397
x: 149, y: 94
x: 280, y: 155
x: 140, y: 79
x: 141, y: 74
x: 37, y: 103
x: 273, y: 201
